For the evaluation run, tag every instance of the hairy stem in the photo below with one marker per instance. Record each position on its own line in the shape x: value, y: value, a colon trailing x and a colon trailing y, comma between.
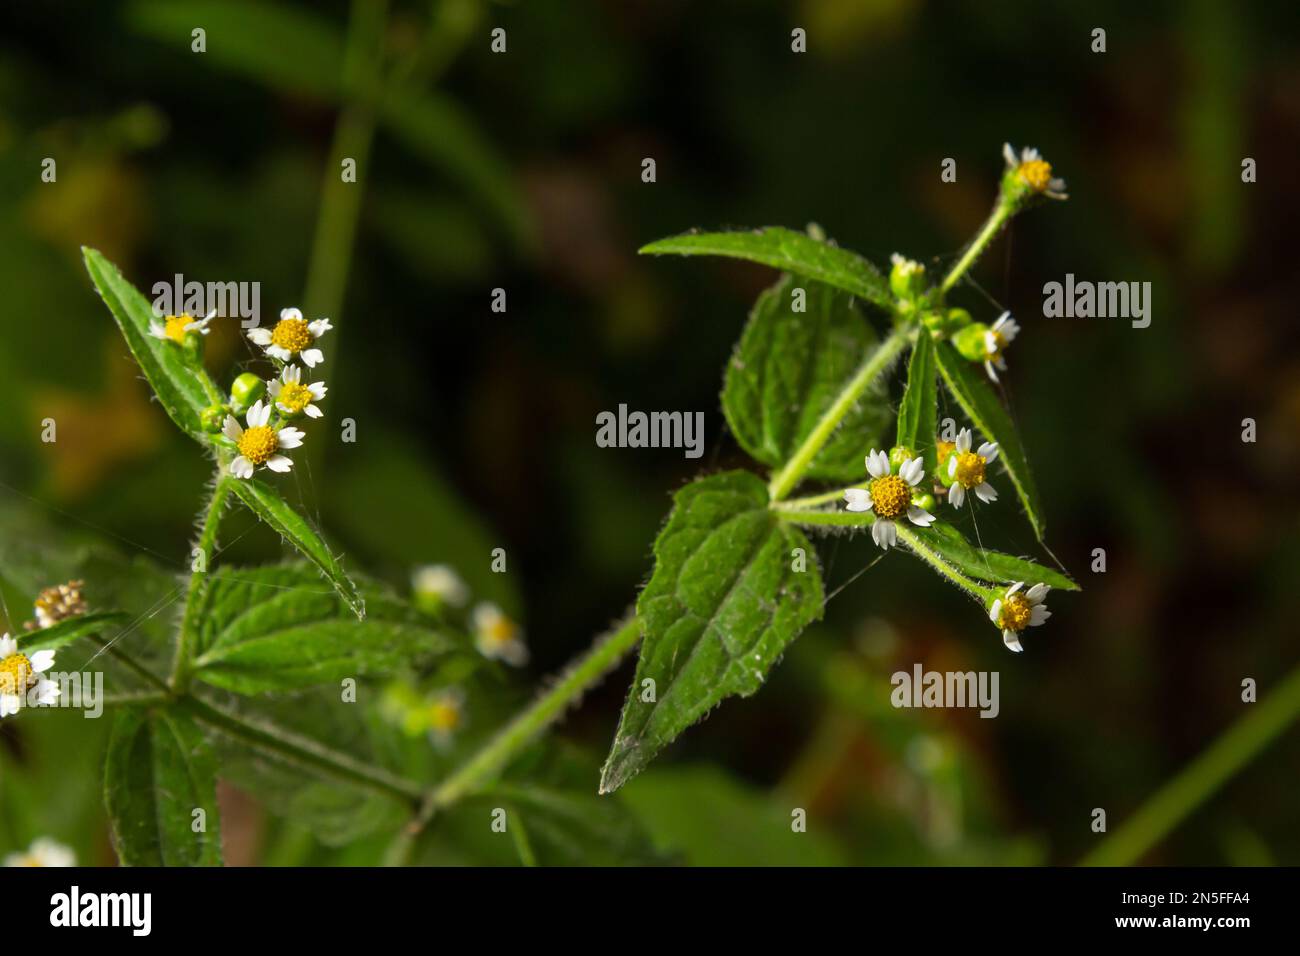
x: 302, y: 751
x: 198, y: 580
x: 483, y: 766
x: 1202, y: 778
x: 814, y: 501
x: 784, y: 481
x: 1002, y: 212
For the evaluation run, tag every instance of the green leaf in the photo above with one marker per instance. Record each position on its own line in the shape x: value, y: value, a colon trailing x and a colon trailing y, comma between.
x: 279, y: 628
x: 164, y: 363
x: 788, y: 251
x: 986, y: 565
x: 266, y: 503
x: 722, y: 605
x: 790, y: 367
x: 65, y: 632
x: 158, y: 771
x: 984, y: 409
x: 253, y: 39
x: 917, y: 415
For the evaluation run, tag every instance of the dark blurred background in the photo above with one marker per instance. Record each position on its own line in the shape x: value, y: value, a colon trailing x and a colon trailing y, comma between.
x: 475, y: 430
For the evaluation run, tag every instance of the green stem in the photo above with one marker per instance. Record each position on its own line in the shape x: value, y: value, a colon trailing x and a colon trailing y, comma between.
x: 303, y: 752
x: 1200, y: 779
x: 479, y: 770
x: 813, y: 501
x: 131, y: 664
x: 1002, y: 212
x: 784, y: 481
x: 198, y: 578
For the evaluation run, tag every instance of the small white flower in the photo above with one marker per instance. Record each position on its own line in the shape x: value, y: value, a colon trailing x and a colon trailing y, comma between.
x: 260, y: 444
x: 441, y: 583
x: 889, y: 496
x: 43, y: 852
x: 1014, y: 611
x: 445, y: 714
x: 996, y: 339
x: 20, y: 680
x: 176, y: 327
x: 291, y: 397
x: 1035, y: 172
x: 498, y: 637
x: 292, y: 336
x: 966, y: 469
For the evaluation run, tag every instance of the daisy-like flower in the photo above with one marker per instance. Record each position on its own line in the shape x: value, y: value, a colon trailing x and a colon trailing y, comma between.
x: 294, y: 398
x: 437, y: 584
x: 43, y: 852
x: 966, y: 469
x: 889, y: 496
x: 58, y: 603
x: 176, y: 327
x: 1034, y: 171
x: 498, y: 637
x: 260, y: 444
x: 1017, y: 610
x: 20, y: 680
x: 445, y: 714
x: 292, y: 335
x: 1002, y: 333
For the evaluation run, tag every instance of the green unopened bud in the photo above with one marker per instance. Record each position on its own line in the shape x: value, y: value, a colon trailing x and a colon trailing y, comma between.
x: 970, y: 342
x: 899, y: 454
x: 923, y: 499
x: 244, y: 391
x: 906, y: 278
x: 213, y: 417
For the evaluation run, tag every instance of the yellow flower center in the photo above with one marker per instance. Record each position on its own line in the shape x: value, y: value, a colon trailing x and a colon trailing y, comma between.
x: 1015, y: 613
x: 258, y: 444
x: 15, y: 674
x: 294, y: 396
x: 970, y: 469
x: 444, y: 715
x: 500, y: 632
x: 943, y: 449
x: 1036, y: 174
x: 174, y: 327
x: 890, y: 496
x: 292, y: 335
x: 999, y: 343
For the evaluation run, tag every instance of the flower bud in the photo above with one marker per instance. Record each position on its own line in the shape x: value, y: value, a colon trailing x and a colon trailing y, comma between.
x: 213, y: 417
x: 923, y: 499
x: 970, y: 342
x: 244, y: 391
x: 897, y: 455
x: 906, y: 278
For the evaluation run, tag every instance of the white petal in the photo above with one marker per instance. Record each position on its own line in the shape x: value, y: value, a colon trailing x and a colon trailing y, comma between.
x: 878, y: 534
x: 157, y: 330
x: 312, y: 357
x: 289, y: 437
x: 319, y: 327
x: 986, y: 493
x: 241, y: 467
x: 859, y: 499
x: 260, y: 336
x: 8, y: 646
x: 277, y: 352
x: 1009, y: 154
x: 988, y: 368
x: 1015, y: 587
x: 957, y: 496
x: 280, y: 463
x: 42, y: 661
x: 1039, y: 615
x: 232, y: 429
x: 263, y: 412
x: 291, y: 373
x: 313, y: 412
x: 9, y: 704
x: 963, y: 441
x: 317, y: 390
x: 990, y: 342
x: 952, y: 465
x: 1037, y: 593
x: 47, y: 692
x: 275, y: 388
x: 988, y: 451
x: 890, y: 533
x: 1012, y: 641
x: 919, y: 516
x: 290, y: 314
x: 913, y: 470
x: 875, y: 468
x: 995, y: 610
